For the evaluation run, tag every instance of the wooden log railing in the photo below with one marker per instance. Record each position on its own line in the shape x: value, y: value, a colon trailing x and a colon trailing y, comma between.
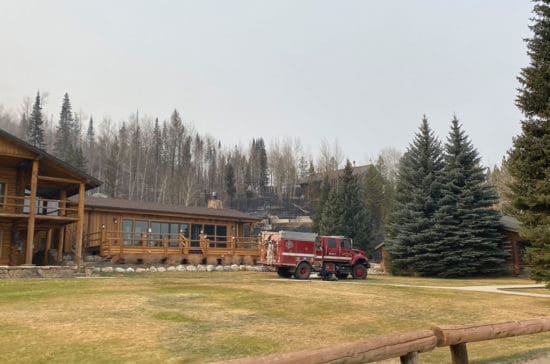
x: 43, y: 206
x: 112, y: 243
x: 407, y: 346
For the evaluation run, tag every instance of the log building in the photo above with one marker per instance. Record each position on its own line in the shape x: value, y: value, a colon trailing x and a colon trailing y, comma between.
x: 34, y: 187
x: 130, y: 230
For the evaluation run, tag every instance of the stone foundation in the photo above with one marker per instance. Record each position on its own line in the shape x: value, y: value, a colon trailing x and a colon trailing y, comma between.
x: 37, y: 272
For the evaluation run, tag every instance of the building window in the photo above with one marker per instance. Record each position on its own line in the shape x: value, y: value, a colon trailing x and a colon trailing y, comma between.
x: 3, y: 191
x: 221, y: 233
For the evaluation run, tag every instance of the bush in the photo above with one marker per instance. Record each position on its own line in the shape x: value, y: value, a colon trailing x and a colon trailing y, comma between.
x: 237, y: 260
x: 248, y: 260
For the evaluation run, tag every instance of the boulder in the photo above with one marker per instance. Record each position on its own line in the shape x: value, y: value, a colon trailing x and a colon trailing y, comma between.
x: 201, y: 268
x: 141, y: 270
x: 120, y: 270
x: 219, y: 268
x: 107, y: 269
x: 242, y: 267
x: 97, y: 269
x: 227, y: 268
x: 234, y: 268
x: 171, y: 269
x: 153, y: 269
x: 209, y: 268
x: 130, y: 270
x: 161, y: 269
x: 180, y: 268
x: 191, y: 268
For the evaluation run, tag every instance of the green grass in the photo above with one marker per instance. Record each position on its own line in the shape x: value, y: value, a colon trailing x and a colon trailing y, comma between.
x: 198, y: 317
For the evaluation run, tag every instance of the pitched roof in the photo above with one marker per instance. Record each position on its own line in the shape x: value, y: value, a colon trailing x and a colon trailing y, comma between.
x: 91, y: 182
x: 120, y: 204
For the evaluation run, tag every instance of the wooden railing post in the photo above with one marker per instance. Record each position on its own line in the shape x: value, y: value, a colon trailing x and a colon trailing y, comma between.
x: 459, y: 354
x: 48, y: 246
x: 102, y: 242
x: 80, y: 225
x: 32, y: 213
x: 410, y: 358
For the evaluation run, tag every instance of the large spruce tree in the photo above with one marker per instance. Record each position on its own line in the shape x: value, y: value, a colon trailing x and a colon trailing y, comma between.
x: 35, y: 125
x: 469, y: 227
x: 374, y: 202
x: 529, y: 159
x: 353, y: 218
x: 414, y: 241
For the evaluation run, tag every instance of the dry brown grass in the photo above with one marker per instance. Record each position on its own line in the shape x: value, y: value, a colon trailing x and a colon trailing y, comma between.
x: 198, y: 317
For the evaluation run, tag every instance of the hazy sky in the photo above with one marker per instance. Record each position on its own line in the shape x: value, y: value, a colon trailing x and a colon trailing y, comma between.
x: 361, y: 72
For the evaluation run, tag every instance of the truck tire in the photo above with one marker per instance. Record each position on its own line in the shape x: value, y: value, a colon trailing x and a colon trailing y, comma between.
x: 302, y: 271
x: 284, y: 272
x: 342, y: 275
x: 359, y: 271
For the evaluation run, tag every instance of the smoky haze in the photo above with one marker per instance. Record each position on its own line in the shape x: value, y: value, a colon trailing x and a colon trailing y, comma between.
x: 360, y: 72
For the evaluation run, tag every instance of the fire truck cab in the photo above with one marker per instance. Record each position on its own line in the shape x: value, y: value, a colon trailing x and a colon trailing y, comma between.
x: 298, y: 254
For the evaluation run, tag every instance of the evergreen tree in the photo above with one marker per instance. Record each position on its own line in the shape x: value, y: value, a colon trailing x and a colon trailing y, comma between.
x: 63, y: 144
x: 90, y: 134
x: 529, y: 159
x: 413, y: 237
x: 469, y: 226
x: 230, y: 186
x: 35, y: 124
x: 353, y: 220
x: 318, y: 225
x: 374, y: 202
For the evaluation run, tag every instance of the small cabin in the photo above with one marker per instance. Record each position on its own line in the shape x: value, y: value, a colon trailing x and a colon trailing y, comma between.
x: 135, y: 231
x: 34, y: 212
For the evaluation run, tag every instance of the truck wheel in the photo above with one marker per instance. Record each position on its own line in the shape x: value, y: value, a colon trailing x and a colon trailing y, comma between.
x: 342, y: 275
x: 302, y: 271
x: 359, y: 271
x: 284, y: 272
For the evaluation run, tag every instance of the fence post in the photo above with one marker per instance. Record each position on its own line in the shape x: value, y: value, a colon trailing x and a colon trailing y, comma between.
x: 459, y: 354
x: 410, y: 358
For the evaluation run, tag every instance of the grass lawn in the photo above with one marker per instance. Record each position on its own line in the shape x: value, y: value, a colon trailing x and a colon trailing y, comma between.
x: 198, y: 317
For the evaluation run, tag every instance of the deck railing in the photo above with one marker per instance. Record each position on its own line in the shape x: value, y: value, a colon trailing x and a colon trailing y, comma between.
x: 112, y: 243
x: 44, y: 206
x: 407, y: 346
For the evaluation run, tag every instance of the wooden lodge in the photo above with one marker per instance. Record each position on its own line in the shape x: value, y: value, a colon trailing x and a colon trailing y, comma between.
x: 34, y: 191
x: 135, y: 231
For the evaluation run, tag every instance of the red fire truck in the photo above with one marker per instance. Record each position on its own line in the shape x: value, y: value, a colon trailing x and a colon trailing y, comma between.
x: 298, y: 254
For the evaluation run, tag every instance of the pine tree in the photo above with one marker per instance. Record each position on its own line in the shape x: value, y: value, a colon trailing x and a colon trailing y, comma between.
x: 63, y: 144
x: 374, y: 202
x: 353, y: 220
x: 230, y: 187
x: 469, y: 226
x: 318, y: 223
x: 35, y: 124
x: 412, y: 233
x: 529, y: 159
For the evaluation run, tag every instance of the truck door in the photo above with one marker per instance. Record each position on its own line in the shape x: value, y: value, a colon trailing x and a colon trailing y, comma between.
x: 345, y: 248
x: 331, y: 249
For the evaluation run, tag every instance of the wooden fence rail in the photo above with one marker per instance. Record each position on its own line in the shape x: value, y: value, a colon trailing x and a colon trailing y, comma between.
x: 407, y: 346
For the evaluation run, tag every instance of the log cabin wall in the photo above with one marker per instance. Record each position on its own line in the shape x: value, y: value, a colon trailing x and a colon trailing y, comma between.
x: 34, y: 186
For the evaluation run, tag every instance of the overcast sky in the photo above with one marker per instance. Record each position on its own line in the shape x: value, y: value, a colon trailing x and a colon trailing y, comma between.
x: 361, y: 72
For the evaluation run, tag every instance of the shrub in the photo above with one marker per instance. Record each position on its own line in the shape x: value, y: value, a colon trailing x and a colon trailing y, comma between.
x: 248, y: 260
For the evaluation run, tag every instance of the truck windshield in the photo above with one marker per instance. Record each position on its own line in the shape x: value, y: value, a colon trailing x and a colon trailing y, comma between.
x: 346, y: 244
